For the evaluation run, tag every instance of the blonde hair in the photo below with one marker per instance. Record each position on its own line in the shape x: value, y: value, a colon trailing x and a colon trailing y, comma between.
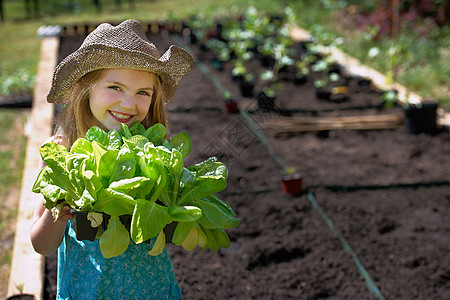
x: 76, y: 118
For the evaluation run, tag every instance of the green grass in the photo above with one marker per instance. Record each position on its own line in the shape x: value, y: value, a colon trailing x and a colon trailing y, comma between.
x: 12, y: 153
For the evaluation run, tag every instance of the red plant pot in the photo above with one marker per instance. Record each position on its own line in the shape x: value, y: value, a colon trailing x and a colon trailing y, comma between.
x: 231, y: 107
x: 292, y: 184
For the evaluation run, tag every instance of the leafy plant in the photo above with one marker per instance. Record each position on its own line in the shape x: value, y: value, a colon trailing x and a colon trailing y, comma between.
x: 138, y: 172
x: 18, y: 83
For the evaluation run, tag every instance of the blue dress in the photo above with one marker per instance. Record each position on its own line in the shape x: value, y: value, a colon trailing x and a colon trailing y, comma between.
x: 83, y: 272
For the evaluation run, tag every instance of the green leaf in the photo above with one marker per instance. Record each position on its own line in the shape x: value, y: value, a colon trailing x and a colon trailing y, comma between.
x: 91, y: 182
x: 54, y: 156
x: 95, y: 134
x: 172, y: 159
x: 43, y: 176
x: 184, y: 213
x: 52, y: 194
x: 125, y: 131
x: 137, y: 129
x: 115, y: 239
x: 215, y: 216
x: 113, y: 140
x: 82, y: 146
x: 136, y: 142
x: 191, y: 240
x: 211, y: 177
x: 148, y: 220
x: 113, y: 202
x: 182, y: 142
x: 211, y: 242
x: 125, y: 165
x: 181, y: 232
x: 159, y: 245
x: 221, y: 237
x: 130, y: 186
x: 156, y: 134
x: 106, y: 166
x: 84, y: 203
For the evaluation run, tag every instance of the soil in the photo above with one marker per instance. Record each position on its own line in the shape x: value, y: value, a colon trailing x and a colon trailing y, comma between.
x: 373, y: 220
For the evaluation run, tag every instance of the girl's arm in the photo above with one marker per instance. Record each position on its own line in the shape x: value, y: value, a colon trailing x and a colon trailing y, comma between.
x: 46, y: 234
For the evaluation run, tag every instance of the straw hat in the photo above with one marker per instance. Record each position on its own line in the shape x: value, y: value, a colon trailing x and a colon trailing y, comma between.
x: 121, y: 46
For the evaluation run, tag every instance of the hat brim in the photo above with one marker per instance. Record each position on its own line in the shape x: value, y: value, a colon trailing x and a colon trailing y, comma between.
x: 173, y: 65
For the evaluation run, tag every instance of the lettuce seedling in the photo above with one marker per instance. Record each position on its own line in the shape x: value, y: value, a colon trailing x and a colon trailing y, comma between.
x: 138, y: 172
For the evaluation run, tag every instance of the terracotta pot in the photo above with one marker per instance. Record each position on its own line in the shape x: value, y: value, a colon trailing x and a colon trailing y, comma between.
x: 231, y: 107
x: 292, y: 184
x: 421, y: 119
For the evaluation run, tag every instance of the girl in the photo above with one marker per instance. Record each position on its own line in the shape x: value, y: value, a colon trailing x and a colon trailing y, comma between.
x: 116, y: 76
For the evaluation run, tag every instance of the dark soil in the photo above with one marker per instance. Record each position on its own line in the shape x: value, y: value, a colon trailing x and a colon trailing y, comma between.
x: 386, y: 194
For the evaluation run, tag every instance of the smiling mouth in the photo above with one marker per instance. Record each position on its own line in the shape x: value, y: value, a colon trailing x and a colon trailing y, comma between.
x: 120, y: 117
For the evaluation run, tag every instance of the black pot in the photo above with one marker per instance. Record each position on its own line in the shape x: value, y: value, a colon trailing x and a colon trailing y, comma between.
x: 84, y: 230
x: 246, y: 88
x: 126, y: 221
x: 299, y: 80
x: 21, y: 297
x: 421, y: 119
x: 267, y: 61
x: 264, y: 102
x: 323, y: 94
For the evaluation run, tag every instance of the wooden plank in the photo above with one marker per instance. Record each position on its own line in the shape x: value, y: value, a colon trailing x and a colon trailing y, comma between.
x: 303, y: 124
x: 27, y: 267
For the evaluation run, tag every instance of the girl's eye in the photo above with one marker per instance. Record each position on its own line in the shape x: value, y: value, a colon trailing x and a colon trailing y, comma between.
x: 143, y: 93
x: 114, y: 87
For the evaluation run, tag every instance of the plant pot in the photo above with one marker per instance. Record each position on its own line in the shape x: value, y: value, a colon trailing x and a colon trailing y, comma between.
x: 363, y: 82
x: 231, y: 107
x: 299, y: 80
x: 421, y: 119
x: 21, y: 297
x: 292, y: 184
x: 339, y: 94
x: 124, y: 219
x: 264, y: 102
x: 84, y: 230
x: 216, y: 64
x: 322, y: 94
x: 169, y: 231
x: 246, y: 88
x: 267, y: 61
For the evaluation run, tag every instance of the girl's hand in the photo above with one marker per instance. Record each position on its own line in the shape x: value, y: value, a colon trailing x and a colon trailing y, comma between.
x: 65, y: 214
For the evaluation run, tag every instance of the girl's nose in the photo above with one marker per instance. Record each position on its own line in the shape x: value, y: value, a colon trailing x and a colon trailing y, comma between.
x: 127, y: 101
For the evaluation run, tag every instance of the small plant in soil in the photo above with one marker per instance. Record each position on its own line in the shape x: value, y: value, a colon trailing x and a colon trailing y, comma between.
x: 292, y: 182
x: 231, y: 103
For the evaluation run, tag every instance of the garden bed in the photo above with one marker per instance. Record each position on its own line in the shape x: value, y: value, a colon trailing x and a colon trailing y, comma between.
x: 386, y: 192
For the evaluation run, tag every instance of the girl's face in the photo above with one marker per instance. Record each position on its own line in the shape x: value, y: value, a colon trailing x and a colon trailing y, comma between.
x: 122, y: 96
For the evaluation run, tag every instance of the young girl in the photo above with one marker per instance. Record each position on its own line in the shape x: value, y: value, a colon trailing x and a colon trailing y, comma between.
x: 116, y: 76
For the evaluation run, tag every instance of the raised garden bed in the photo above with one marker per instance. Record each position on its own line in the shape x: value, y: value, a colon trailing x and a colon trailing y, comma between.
x: 386, y: 192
